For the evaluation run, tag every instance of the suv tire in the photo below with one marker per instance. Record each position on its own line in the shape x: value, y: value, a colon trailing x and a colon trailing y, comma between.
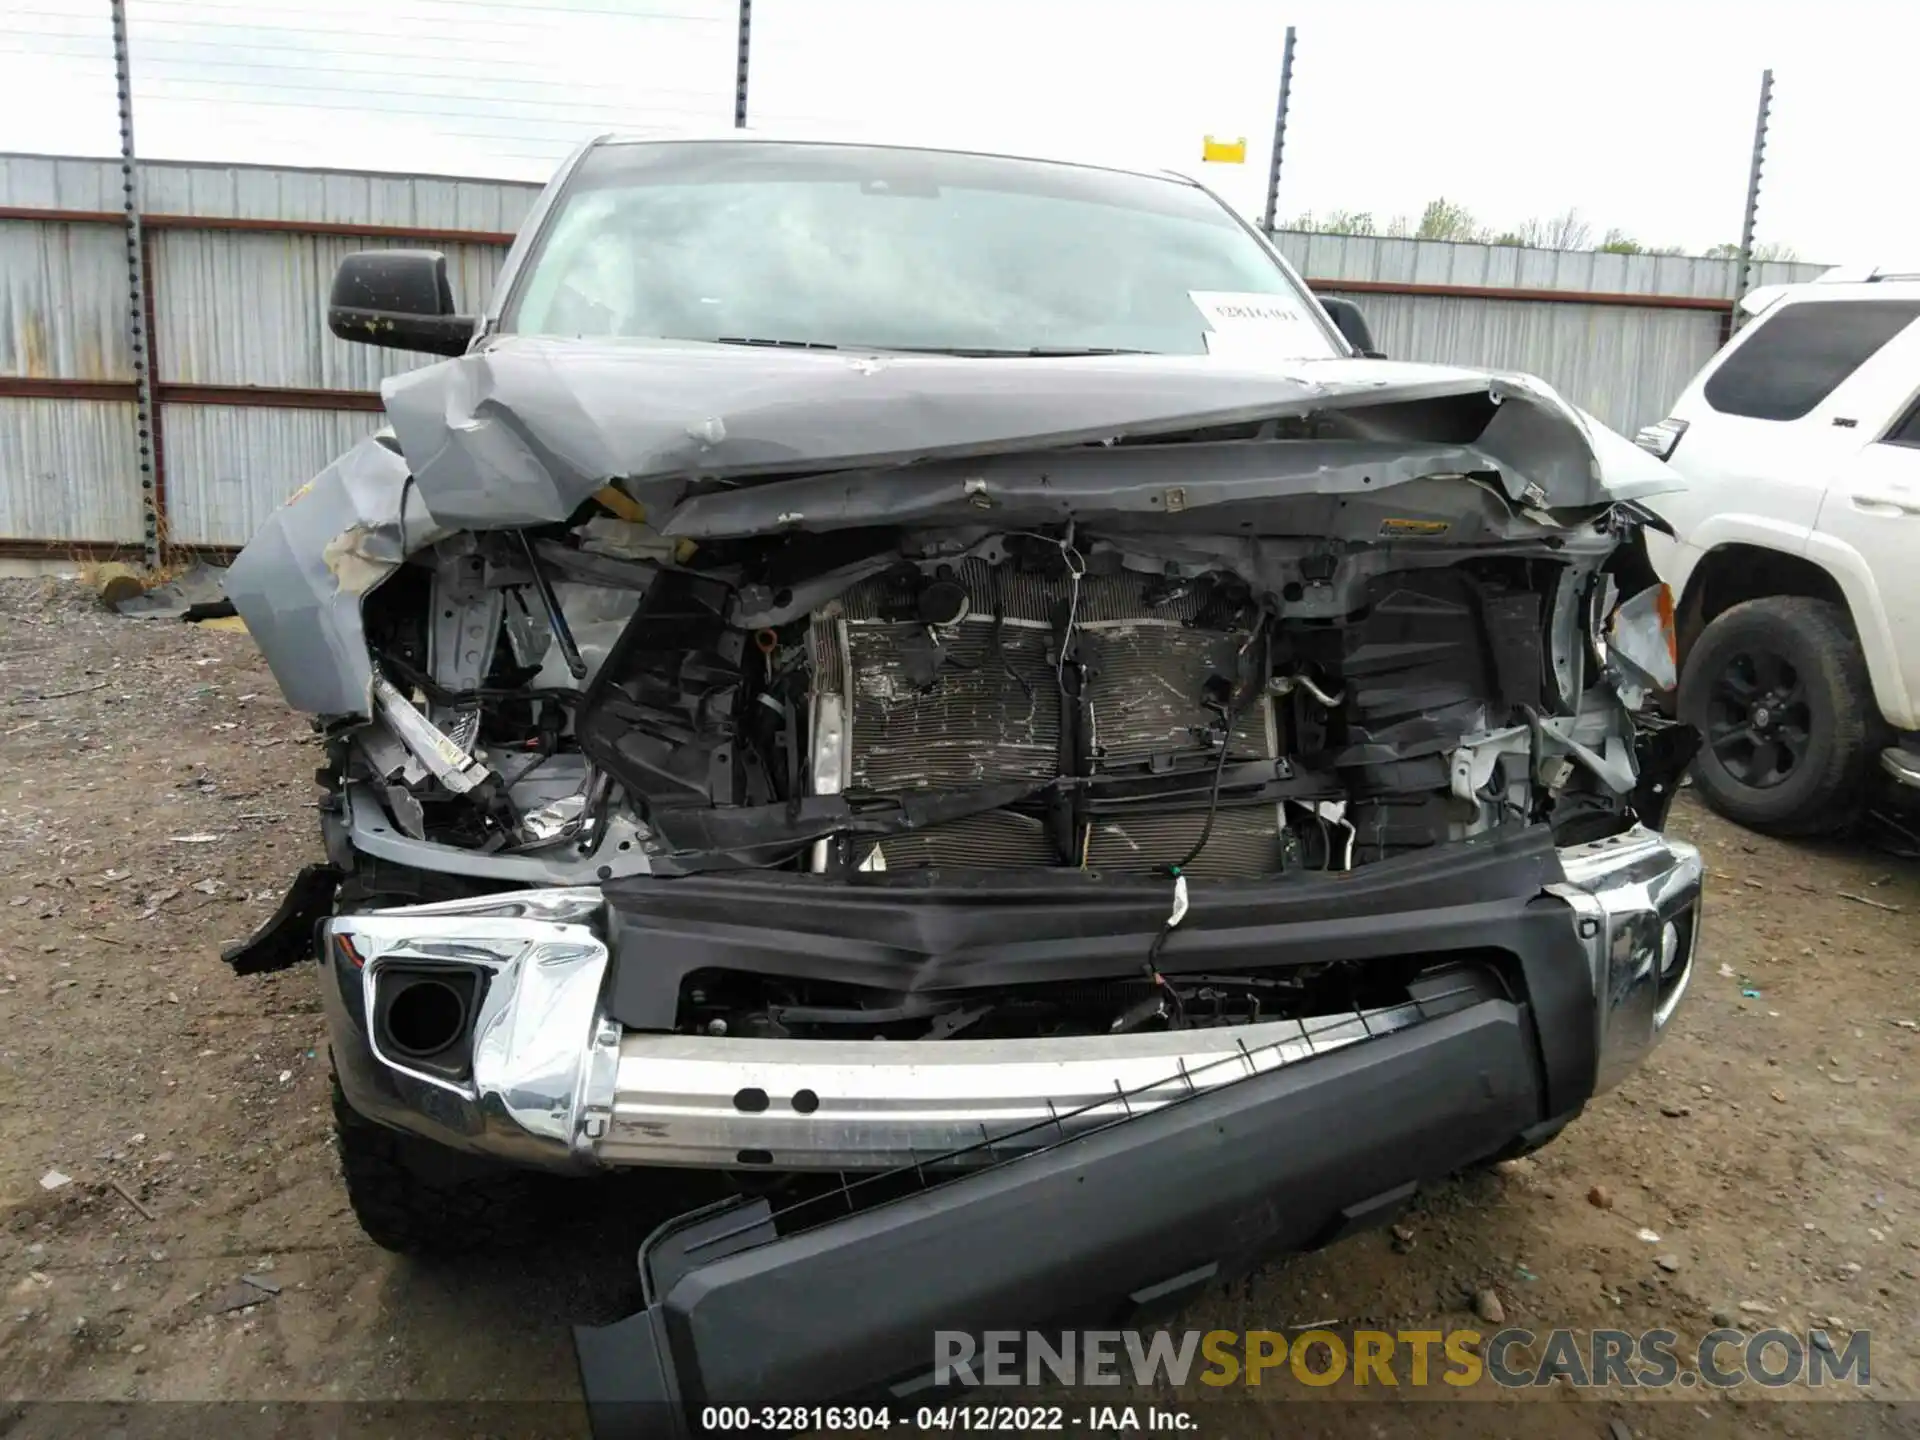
x: 1779, y: 691
x: 418, y: 1198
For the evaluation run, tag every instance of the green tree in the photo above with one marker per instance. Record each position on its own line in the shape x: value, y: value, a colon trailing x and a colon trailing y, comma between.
x: 1444, y: 220
x: 1336, y: 222
x: 1566, y: 231
x: 1351, y: 222
x: 1766, y: 250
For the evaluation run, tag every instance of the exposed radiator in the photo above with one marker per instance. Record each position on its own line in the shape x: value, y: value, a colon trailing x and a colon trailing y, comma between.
x: 979, y: 702
x: 987, y: 717
x: 998, y: 841
x: 1243, y: 842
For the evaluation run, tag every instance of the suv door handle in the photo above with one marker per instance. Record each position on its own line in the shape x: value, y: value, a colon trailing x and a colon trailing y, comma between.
x: 1885, y: 505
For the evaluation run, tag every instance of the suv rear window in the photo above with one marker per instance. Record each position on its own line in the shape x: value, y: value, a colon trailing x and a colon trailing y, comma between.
x: 1801, y: 353
x: 1907, y: 432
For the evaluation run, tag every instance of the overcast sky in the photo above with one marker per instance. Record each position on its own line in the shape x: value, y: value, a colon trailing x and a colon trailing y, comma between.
x: 1638, y: 114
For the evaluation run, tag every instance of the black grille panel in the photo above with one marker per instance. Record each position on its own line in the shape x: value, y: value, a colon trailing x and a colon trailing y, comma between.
x: 1244, y: 843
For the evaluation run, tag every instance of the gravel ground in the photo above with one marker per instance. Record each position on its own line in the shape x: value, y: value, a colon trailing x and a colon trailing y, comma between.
x: 154, y: 797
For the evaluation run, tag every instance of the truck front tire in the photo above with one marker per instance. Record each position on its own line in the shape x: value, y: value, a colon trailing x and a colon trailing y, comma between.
x: 1779, y: 691
x: 414, y: 1197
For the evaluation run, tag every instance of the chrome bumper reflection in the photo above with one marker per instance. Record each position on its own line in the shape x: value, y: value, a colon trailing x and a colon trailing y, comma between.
x: 555, y: 1082
x: 1636, y: 902
x: 539, y: 1044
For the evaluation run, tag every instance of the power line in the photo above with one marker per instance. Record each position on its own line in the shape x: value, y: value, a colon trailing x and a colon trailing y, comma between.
x: 468, y: 9
x: 269, y: 21
x: 547, y: 149
x: 574, y: 132
x: 557, y: 82
x: 58, y: 34
x: 356, y: 98
x: 227, y: 38
x: 54, y: 15
x: 582, y: 125
x: 328, y: 52
x: 37, y: 52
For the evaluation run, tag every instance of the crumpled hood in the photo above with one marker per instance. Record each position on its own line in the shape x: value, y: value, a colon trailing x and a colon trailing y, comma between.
x: 527, y: 429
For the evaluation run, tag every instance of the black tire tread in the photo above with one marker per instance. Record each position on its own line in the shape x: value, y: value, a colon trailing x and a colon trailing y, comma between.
x: 1838, y: 797
x: 417, y: 1198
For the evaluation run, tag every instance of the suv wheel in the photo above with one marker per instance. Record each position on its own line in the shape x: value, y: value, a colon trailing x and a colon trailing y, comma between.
x: 418, y: 1198
x: 1779, y: 692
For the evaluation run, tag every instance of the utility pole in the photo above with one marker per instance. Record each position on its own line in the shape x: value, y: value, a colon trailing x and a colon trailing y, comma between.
x: 146, y: 428
x: 1745, y: 265
x: 1279, y: 131
x: 740, y: 71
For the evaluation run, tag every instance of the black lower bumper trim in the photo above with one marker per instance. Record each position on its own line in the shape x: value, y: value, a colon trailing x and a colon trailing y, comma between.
x: 1147, y: 1210
x: 286, y: 938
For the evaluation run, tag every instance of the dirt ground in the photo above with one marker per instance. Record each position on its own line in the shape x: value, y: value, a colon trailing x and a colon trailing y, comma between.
x: 154, y: 798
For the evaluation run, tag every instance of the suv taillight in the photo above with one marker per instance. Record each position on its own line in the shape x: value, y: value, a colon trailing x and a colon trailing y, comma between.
x: 1659, y: 438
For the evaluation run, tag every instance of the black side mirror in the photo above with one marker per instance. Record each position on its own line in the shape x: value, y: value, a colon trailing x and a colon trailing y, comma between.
x: 1351, y: 323
x: 400, y: 299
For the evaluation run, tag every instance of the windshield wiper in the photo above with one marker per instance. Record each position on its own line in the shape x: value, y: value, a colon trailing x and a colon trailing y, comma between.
x: 774, y: 344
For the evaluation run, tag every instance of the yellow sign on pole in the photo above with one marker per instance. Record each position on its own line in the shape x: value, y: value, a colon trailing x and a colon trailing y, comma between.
x: 1224, y: 152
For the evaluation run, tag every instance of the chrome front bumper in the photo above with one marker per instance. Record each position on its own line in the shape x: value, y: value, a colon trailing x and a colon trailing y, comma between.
x: 554, y: 1082
x: 1636, y: 902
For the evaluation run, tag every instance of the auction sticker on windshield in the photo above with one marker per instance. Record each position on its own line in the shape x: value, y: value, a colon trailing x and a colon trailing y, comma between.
x: 1246, y: 323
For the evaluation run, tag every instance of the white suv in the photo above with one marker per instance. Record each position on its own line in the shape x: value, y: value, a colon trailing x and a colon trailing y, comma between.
x: 1797, y: 558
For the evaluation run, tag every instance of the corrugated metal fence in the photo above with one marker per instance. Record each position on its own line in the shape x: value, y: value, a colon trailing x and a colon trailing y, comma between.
x: 255, y: 395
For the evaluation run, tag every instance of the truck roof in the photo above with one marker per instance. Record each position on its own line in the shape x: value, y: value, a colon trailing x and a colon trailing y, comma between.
x: 778, y: 137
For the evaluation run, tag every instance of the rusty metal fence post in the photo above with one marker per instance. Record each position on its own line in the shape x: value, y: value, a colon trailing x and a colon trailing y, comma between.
x: 1743, y: 270
x: 146, y: 416
x: 1279, y: 132
x: 740, y: 67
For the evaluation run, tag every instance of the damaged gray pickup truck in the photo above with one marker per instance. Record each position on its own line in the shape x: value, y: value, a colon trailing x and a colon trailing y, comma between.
x: 953, y: 692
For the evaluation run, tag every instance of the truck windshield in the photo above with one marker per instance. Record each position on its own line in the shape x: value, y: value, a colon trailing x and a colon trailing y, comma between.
x: 863, y: 247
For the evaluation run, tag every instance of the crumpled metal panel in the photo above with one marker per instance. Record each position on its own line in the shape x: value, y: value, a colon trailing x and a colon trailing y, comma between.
x: 230, y: 466
x: 63, y: 301
x: 299, y: 583
x: 234, y: 308
x: 66, y: 471
x: 526, y: 430
x: 529, y: 428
